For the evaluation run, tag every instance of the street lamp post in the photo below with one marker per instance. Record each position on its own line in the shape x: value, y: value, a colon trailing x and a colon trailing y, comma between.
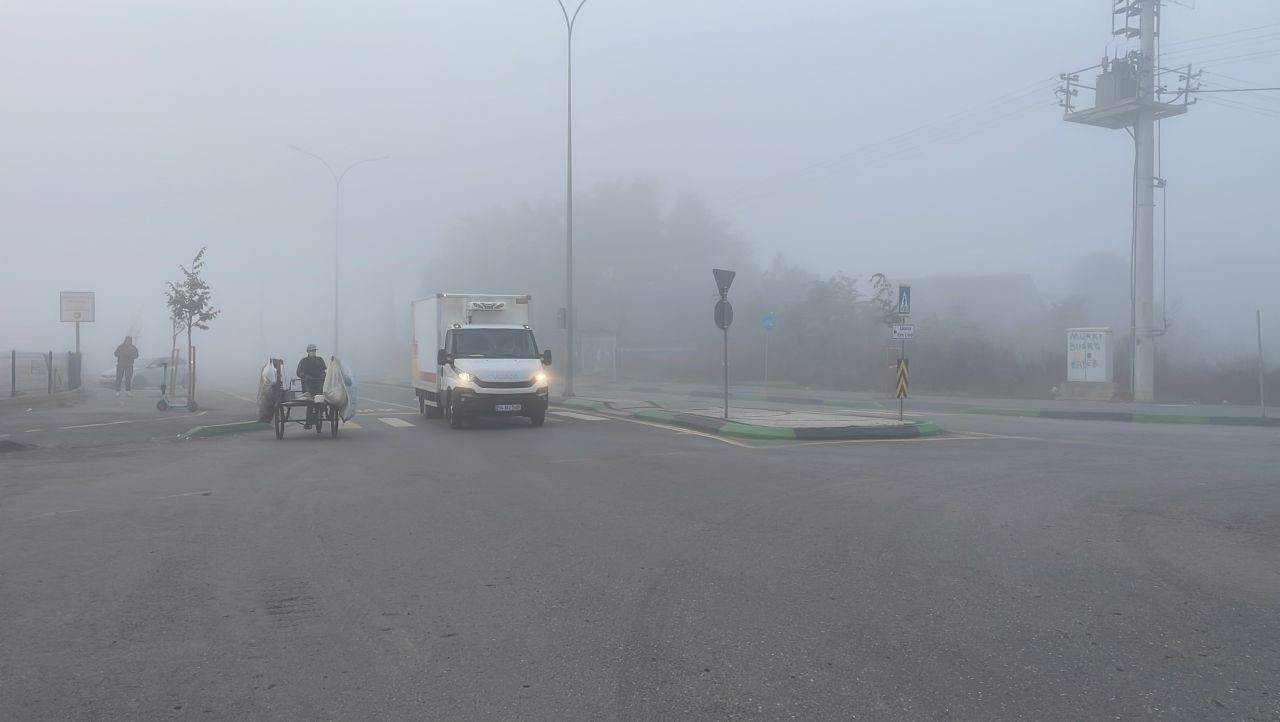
x: 337, y: 207
x: 569, y: 21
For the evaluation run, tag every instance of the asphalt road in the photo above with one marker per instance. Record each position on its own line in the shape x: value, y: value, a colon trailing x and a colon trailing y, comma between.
x: 596, y: 568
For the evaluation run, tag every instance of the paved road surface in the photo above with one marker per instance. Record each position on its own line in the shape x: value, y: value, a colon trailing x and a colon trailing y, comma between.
x: 605, y: 569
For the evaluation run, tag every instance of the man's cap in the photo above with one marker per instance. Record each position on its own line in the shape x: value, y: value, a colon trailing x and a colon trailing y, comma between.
x: 311, y: 347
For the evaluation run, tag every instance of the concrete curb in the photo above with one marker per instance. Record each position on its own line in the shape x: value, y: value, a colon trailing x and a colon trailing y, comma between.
x: 1129, y: 417
x: 737, y: 429
x: 780, y: 399
x: 220, y: 429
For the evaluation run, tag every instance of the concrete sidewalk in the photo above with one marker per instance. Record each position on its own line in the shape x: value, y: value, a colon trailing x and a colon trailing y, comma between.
x: 765, y: 423
x: 1225, y: 415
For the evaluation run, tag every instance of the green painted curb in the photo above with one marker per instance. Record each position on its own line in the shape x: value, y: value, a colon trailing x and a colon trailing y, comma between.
x: 220, y: 429
x: 654, y: 415
x: 747, y: 431
x: 928, y: 428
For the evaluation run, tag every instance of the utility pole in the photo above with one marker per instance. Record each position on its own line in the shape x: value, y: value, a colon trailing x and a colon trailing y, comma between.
x: 1144, y: 133
x: 1262, y: 386
x: 1126, y: 96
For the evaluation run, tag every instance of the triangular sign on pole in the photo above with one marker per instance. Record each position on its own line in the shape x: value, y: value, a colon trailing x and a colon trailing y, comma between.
x: 724, y: 279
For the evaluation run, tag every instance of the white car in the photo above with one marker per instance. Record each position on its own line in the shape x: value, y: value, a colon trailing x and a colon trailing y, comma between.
x: 146, y: 372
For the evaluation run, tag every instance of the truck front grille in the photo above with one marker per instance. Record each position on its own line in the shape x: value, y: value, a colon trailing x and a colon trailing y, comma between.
x: 504, y: 384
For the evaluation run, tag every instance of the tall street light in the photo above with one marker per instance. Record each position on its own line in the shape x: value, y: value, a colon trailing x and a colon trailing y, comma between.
x: 569, y: 21
x: 337, y: 207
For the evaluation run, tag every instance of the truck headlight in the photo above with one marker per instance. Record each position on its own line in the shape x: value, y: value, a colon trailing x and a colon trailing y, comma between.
x: 541, y: 379
x: 465, y: 377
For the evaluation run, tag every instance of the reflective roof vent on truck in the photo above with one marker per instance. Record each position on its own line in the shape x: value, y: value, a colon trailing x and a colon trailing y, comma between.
x: 486, y: 305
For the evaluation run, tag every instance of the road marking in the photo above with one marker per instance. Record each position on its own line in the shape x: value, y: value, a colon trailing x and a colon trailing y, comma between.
x: 575, y: 415
x: 189, y: 493
x: 52, y: 513
x: 691, y: 432
x: 238, y: 396
x: 32, y: 431
x: 392, y: 403
x: 394, y: 422
x: 127, y: 421
x: 350, y: 425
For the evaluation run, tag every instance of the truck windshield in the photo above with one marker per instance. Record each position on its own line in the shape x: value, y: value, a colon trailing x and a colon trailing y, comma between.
x: 495, y: 343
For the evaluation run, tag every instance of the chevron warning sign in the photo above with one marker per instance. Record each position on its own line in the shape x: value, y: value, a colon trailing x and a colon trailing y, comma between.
x: 904, y: 378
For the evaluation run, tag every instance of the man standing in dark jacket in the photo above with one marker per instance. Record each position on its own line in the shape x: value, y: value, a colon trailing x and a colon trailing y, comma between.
x: 126, y: 354
x: 311, y: 370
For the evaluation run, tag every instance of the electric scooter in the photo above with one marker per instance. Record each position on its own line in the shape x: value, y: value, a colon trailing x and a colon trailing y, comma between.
x: 164, y: 404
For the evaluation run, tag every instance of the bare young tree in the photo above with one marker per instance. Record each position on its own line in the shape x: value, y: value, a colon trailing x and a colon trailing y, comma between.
x: 190, y: 307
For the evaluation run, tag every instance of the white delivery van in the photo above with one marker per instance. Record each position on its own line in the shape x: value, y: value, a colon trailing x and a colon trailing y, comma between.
x: 475, y: 355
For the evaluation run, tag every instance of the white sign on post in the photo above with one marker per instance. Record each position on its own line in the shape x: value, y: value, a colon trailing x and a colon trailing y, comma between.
x: 76, y: 306
x: 904, y: 331
x: 1089, y: 354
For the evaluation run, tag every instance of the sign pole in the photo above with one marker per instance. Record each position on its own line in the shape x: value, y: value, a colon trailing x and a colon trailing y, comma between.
x: 726, y: 373
x: 77, y: 338
x: 901, y: 402
x: 1262, y: 387
x: 766, y: 358
x: 724, y: 319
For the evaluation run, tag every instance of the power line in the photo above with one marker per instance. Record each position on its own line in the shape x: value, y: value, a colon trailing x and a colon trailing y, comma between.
x: 1246, y: 56
x: 1223, y: 35
x: 1224, y: 44
x: 1244, y: 107
x: 1233, y: 90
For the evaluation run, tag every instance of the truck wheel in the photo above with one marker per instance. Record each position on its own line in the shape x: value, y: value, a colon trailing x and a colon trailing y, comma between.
x: 538, y: 419
x: 455, y: 414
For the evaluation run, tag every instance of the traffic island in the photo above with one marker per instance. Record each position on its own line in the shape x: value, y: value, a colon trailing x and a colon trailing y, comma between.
x: 766, y: 424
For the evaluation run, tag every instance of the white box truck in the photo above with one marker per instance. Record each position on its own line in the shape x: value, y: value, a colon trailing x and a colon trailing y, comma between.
x: 475, y: 355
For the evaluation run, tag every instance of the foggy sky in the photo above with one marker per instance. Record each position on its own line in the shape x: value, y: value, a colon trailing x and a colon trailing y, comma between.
x: 136, y: 132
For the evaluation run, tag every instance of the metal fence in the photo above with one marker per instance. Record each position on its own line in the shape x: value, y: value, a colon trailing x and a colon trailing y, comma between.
x: 32, y: 373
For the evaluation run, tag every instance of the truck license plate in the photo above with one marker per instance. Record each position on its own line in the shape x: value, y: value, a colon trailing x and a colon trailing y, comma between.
x: 507, y: 407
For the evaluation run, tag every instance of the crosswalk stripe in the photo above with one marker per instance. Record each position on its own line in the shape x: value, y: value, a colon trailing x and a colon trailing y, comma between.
x: 394, y: 422
x: 580, y: 417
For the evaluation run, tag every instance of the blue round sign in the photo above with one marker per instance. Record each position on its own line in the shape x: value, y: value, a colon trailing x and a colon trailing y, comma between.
x: 768, y: 323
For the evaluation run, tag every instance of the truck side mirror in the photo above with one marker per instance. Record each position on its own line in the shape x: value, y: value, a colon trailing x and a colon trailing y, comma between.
x: 546, y: 357
x: 442, y: 358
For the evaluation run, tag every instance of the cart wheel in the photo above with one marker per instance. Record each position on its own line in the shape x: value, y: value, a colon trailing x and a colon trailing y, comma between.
x: 333, y: 425
x: 320, y: 422
x: 192, y: 406
x: 162, y: 405
x: 279, y: 422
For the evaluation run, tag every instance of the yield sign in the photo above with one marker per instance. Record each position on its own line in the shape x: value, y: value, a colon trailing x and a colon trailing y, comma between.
x: 724, y: 279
